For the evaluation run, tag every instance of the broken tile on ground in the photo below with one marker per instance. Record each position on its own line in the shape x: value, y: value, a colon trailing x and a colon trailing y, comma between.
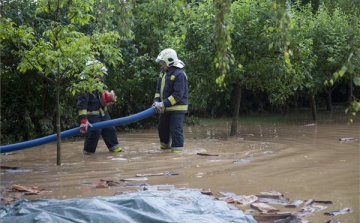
x: 135, y: 179
x: 264, y: 208
x: 206, y: 154
x: 241, y: 161
x: 348, y: 139
x: 168, y: 173
x: 338, y: 212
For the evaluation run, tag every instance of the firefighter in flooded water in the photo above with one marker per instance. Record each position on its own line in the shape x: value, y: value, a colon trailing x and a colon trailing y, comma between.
x: 93, y: 108
x: 171, y: 100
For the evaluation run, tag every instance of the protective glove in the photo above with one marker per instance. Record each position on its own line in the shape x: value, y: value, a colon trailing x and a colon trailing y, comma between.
x: 84, y: 124
x: 109, y: 98
x: 158, y: 106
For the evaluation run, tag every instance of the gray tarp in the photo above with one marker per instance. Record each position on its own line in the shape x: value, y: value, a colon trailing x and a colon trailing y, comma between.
x: 174, y: 206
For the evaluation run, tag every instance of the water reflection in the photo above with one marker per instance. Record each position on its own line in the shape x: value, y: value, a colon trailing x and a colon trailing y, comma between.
x: 207, y: 132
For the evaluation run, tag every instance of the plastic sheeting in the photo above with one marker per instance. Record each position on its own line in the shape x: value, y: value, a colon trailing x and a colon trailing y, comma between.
x: 176, y: 206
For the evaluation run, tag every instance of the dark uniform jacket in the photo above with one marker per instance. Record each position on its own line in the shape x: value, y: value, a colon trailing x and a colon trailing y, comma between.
x: 172, y: 89
x: 89, y: 104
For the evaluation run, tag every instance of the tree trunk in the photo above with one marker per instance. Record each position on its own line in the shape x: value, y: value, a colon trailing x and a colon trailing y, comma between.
x: 328, y: 100
x: 313, y: 107
x: 235, y: 117
x: 350, y: 91
x: 296, y: 101
x: 58, y: 127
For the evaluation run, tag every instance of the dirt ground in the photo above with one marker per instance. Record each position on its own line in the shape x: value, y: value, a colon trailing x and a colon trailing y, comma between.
x: 301, y: 162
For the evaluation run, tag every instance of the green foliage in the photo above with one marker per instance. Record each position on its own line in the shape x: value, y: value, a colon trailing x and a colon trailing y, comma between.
x: 222, y: 40
x: 303, y: 58
x: 191, y: 120
x: 199, y: 54
x: 260, y: 67
x: 335, y: 42
x: 75, y: 11
x: 60, y: 51
x: 330, y: 41
x: 350, y: 68
x: 280, y: 27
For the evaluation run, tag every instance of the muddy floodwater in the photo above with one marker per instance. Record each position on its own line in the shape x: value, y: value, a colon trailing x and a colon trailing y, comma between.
x: 300, y: 161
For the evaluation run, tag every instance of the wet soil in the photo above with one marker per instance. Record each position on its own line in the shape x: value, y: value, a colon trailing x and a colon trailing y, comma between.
x: 300, y: 161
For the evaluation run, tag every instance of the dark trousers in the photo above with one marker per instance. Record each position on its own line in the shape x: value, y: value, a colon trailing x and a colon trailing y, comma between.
x: 108, y: 134
x: 170, y: 127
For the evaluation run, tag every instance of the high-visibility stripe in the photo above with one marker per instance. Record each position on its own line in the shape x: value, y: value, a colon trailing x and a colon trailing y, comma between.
x: 177, y: 108
x: 101, y: 112
x: 162, y: 87
x: 172, y: 100
x: 164, y: 146
x: 157, y: 95
x: 177, y: 148
x: 93, y: 113
x: 82, y: 112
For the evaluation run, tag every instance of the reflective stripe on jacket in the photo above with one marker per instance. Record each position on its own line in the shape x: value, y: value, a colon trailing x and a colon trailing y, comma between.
x: 89, y: 104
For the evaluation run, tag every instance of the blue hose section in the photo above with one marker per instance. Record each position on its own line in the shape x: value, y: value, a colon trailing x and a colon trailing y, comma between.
x: 71, y: 132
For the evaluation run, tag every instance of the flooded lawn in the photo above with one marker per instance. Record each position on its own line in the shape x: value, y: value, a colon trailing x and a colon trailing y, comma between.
x: 302, y: 162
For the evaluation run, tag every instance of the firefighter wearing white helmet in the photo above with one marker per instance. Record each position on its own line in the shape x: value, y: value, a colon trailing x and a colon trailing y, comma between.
x: 96, y: 62
x: 171, y: 100
x: 93, y: 108
x: 169, y: 56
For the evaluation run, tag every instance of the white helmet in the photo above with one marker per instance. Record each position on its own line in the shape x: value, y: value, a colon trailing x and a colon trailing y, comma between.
x: 93, y: 62
x: 169, y: 56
